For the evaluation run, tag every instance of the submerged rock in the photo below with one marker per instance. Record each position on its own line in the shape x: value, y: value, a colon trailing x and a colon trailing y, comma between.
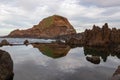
x: 94, y: 59
x: 6, y: 66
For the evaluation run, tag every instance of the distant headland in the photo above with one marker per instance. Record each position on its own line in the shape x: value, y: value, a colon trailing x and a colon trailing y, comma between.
x: 49, y: 27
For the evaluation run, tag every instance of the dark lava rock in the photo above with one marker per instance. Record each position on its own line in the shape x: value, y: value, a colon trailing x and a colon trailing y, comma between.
x: 101, y: 36
x: 4, y: 42
x: 116, y: 75
x: 97, y: 37
x: 75, y: 41
x: 94, y: 59
x: 6, y: 66
x: 26, y: 42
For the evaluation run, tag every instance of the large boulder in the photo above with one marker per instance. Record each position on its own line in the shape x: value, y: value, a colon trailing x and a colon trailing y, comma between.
x: 49, y: 27
x: 6, y: 66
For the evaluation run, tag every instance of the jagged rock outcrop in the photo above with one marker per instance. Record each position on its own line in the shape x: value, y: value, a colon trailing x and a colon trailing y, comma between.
x: 49, y: 27
x: 101, y: 36
x: 6, y: 66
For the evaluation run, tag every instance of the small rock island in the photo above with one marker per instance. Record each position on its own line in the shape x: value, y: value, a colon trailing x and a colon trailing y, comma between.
x: 49, y: 27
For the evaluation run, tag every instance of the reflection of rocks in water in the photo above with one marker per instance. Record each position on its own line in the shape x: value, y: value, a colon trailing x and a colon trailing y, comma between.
x: 96, y: 52
x: 6, y: 66
x: 53, y: 50
x: 101, y: 52
x: 116, y: 75
x: 94, y: 59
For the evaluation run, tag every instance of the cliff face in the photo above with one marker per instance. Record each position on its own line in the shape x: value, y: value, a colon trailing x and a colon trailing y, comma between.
x: 101, y: 36
x: 49, y: 27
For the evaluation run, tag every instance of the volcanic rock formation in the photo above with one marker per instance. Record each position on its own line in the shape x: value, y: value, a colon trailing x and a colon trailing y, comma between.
x: 49, y: 27
x: 101, y: 36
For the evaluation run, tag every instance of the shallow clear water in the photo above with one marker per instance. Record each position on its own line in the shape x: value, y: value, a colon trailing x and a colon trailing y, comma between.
x: 31, y: 64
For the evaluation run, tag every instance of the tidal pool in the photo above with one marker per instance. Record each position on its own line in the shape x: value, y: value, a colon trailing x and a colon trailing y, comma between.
x: 34, y: 63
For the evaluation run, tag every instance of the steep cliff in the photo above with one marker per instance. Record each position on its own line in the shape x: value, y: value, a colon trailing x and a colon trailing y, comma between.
x: 49, y: 27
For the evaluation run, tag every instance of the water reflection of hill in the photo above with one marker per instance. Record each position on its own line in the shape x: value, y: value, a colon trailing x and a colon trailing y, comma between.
x: 53, y: 50
x: 102, y: 53
x: 93, y: 54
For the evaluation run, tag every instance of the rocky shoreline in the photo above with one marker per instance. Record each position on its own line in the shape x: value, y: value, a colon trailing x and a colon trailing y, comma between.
x: 97, y: 37
x: 59, y: 28
x: 59, y: 49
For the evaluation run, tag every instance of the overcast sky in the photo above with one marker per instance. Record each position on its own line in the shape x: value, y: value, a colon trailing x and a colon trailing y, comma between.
x: 23, y: 14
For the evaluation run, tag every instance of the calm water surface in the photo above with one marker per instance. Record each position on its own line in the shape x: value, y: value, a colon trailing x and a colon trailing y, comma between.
x: 21, y: 40
x: 31, y: 64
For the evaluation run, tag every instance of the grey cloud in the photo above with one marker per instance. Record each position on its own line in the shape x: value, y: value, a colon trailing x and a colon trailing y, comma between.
x: 101, y: 3
x: 111, y: 11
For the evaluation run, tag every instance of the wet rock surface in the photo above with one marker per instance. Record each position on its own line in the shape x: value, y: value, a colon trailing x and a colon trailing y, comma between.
x: 4, y: 42
x: 116, y: 75
x: 94, y: 59
x: 6, y: 66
